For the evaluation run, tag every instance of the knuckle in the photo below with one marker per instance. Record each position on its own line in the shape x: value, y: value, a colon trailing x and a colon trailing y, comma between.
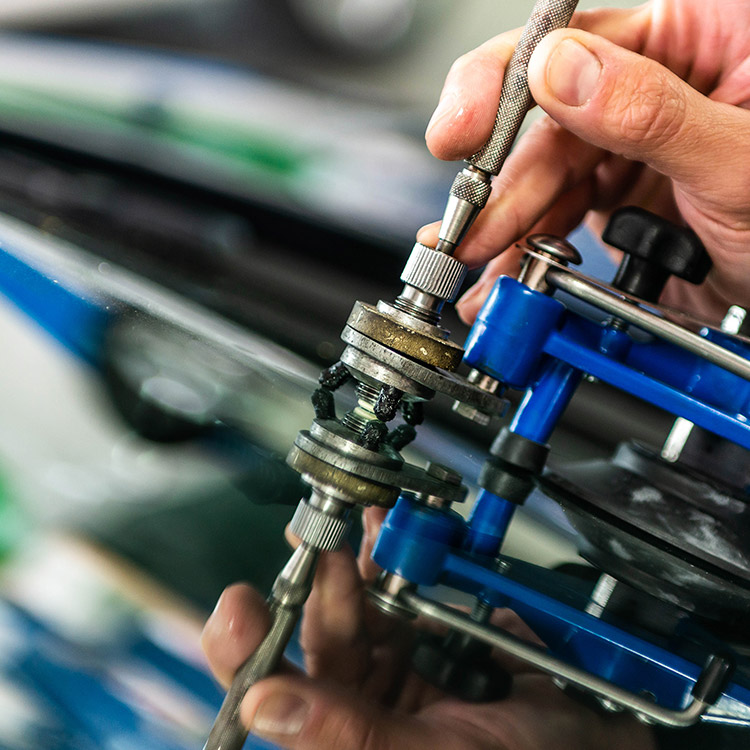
x: 354, y: 730
x: 545, y: 127
x: 373, y: 740
x: 654, y: 115
x: 467, y: 60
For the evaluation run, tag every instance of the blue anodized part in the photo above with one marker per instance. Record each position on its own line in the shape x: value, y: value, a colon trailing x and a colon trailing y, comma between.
x: 505, y: 344
x: 600, y: 647
x: 507, y: 338
x: 545, y: 401
x: 651, y: 373
x: 529, y: 341
x: 488, y: 522
x: 415, y: 539
x: 695, y: 376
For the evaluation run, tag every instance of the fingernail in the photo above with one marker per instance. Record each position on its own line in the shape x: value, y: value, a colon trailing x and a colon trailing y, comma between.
x: 215, y: 624
x: 371, y: 529
x: 446, y: 107
x: 209, y: 629
x: 423, y: 232
x: 280, y: 713
x: 573, y: 72
x: 469, y: 295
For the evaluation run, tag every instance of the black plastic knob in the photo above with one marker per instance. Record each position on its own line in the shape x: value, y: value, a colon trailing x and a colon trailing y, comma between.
x: 461, y: 666
x: 654, y: 249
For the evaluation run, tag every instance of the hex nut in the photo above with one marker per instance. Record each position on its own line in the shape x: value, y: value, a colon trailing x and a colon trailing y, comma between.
x: 471, y: 412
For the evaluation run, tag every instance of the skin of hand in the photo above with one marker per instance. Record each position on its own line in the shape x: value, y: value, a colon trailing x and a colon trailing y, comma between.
x: 645, y: 106
x: 359, y: 693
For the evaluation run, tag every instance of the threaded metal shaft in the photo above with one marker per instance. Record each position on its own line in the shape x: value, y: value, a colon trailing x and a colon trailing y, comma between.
x: 357, y: 419
x: 421, y: 313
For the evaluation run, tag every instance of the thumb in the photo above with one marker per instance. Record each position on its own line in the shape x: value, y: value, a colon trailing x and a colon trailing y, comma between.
x: 635, y: 107
x: 300, y: 714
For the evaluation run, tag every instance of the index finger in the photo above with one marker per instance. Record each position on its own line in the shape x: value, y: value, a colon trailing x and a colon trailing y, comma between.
x: 236, y: 627
x: 465, y: 114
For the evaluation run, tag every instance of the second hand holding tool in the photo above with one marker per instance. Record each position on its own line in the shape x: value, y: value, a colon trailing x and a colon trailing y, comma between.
x: 400, y: 356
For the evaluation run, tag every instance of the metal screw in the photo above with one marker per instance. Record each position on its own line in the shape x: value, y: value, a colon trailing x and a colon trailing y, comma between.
x: 363, y: 412
x: 485, y: 383
x: 555, y: 247
x: 677, y: 439
x: 609, y: 705
x: 601, y: 595
x: 735, y: 319
x: 443, y: 473
x: 534, y: 268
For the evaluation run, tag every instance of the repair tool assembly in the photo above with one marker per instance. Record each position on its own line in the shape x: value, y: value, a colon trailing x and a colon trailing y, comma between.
x: 661, y: 632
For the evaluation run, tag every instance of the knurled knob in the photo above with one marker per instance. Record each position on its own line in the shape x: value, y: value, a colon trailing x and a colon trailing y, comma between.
x: 434, y: 272
x: 318, y: 528
x: 472, y: 188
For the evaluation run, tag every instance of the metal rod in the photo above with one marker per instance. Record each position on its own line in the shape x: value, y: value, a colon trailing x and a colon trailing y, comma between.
x: 515, y: 97
x: 228, y: 732
x: 321, y: 523
x: 578, y: 286
x: 472, y: 187
x: 290, y: 591
x: 540, y: 659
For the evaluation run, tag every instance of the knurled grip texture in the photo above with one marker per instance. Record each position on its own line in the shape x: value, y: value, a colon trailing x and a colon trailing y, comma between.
x: 515, y: 97
x: 434, y: 272
x: 317, y: 528
x: 228, y: 731
x: 471, y: 189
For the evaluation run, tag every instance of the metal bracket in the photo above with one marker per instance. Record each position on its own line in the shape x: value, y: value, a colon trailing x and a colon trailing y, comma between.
x: 707, y: 689
x: 627, y: 308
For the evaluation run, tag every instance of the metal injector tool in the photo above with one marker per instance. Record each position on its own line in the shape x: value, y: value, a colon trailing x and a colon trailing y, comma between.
x: 472, y: 186
x: 321, y: 522
x: 400, y: 357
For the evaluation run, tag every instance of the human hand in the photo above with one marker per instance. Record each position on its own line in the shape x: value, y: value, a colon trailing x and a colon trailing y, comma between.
x: 647, y: 107
x: 360, y: 693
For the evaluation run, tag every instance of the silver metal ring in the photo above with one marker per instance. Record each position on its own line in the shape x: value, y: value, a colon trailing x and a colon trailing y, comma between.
x: 433, y: 272
x: 471, y: 187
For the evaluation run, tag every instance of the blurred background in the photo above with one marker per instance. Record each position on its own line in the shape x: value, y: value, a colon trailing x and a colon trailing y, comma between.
x: 192, y: 195
x: 391, y: 51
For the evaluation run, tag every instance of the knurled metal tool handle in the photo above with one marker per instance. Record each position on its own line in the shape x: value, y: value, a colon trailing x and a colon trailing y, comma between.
x: 515, y: 97
x: 471, y: 188
x: 321, y: 524
x: 228, y: 733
